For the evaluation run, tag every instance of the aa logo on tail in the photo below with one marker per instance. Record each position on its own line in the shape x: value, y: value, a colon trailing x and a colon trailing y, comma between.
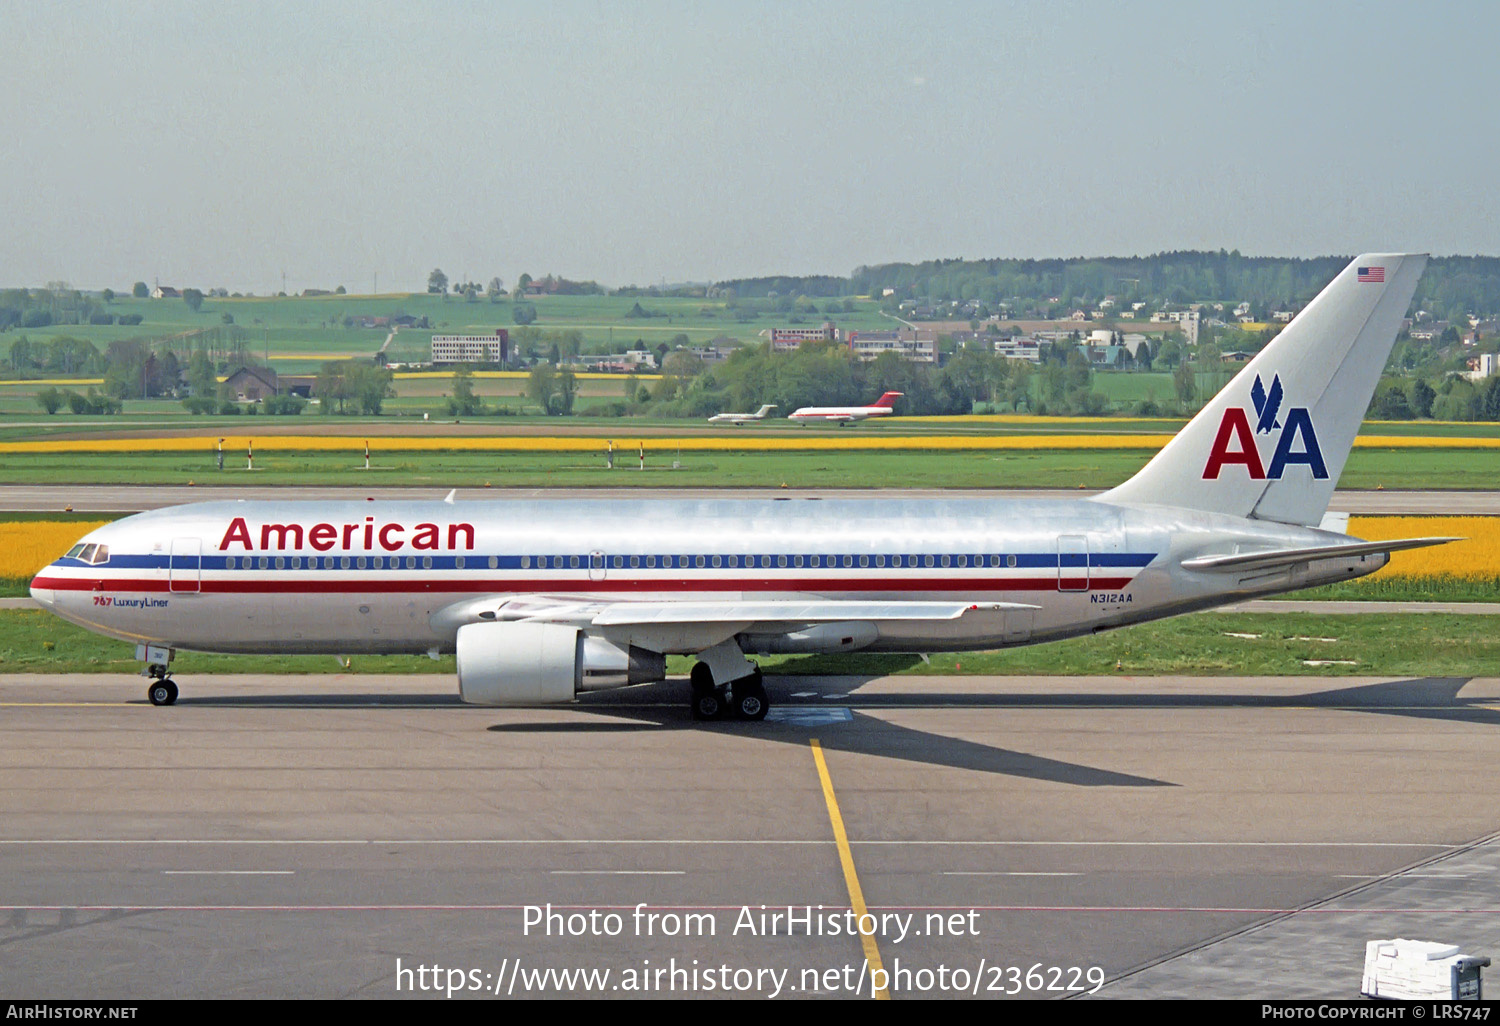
x: 1236, y: 441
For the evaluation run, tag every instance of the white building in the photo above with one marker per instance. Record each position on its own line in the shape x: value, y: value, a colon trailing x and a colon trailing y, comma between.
x: 1021, y: 348
x: 916, y: 346
x: 471, y: 348
x: 785, y: 340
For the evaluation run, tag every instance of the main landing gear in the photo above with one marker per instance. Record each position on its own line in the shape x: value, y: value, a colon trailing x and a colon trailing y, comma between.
x: 742, y: 699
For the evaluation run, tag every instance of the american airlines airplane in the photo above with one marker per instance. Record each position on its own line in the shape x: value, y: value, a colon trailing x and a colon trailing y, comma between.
x: 841, y: 415
x: 542, y: 600
x: 742, y: 418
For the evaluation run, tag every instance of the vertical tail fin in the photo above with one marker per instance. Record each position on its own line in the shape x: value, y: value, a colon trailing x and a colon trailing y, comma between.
x: 1273, y: 442
x: 889, y: 399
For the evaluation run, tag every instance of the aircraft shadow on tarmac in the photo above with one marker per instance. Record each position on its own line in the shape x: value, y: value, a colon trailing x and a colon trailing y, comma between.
x: 663, y: 706
x: 861, y: 734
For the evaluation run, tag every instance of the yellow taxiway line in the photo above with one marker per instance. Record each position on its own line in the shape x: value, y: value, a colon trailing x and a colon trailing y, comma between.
x: 851, y: 879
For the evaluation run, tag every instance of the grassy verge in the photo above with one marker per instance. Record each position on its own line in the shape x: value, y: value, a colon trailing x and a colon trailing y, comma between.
x: 937, y: 468
x: 32, y: 641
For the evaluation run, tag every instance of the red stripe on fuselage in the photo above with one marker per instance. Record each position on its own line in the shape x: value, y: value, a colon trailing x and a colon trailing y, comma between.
x: 351, y: 587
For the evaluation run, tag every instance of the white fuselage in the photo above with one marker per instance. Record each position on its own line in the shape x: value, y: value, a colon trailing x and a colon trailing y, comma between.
x: 344, y: 577
x: 839, y: 413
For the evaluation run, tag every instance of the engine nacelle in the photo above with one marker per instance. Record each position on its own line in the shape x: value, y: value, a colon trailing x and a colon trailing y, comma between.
x: 531, y: 663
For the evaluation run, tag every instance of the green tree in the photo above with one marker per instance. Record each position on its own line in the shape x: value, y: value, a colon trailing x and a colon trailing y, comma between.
x: 1185, y: 380
x: 193, y: 298
x: 331, y: 387
x: 496, y: 290
x: 1422, y: 395
x: 20, y: 354
x: 140, y: 290
x: 109, y: 295
x: 201, y: 379
x: 49, y: 399
x: 464, y: 403
x: 523, y: 313
x: 539, y: 384
x: 437, y: 282
x: 368, y: 385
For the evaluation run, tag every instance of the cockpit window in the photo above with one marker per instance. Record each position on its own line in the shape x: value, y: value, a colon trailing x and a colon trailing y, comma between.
x: 74, y: 551
x: 87, y: 555
x: 101, y: 555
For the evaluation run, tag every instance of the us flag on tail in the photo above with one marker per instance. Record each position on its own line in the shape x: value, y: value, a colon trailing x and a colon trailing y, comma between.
x: 1371, y: 274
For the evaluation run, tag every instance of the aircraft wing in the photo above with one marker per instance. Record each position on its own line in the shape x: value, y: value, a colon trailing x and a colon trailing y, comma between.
x: 692, y: 625
x: 1273, y: 558
x: 616, y: 614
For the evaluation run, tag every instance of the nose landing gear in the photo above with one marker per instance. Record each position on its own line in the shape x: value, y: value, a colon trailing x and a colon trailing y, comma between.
x: 162, y: 689
x: 162, y: 692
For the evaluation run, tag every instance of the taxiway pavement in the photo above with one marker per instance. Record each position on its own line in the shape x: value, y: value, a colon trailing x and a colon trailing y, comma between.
x: 296, y: 836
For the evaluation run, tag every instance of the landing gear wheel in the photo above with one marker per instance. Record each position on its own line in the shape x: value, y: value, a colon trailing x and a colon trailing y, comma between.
x: 162, y: 692
x: 709, y: 705
x: 750, y: 702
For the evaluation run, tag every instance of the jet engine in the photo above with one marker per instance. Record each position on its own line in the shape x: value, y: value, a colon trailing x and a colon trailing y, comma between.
x: 528, y: 663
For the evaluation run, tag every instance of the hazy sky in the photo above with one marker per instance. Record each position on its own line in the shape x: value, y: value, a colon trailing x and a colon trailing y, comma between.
x: 224, y: 143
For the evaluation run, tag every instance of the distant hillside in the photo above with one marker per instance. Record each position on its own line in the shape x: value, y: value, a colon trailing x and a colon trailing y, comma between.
x: 1452, y: 286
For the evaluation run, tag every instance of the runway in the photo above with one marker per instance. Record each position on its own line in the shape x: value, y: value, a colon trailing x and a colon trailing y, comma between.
x: 134, y: 498
x: 294, y: 836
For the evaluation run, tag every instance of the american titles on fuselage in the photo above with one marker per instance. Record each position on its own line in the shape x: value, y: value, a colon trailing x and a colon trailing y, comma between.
x: 323, y: 537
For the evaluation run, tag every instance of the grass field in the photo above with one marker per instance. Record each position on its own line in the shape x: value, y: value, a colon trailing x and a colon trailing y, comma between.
x: 468, y: 464
x: 298, y: 332
x: 32, y: 641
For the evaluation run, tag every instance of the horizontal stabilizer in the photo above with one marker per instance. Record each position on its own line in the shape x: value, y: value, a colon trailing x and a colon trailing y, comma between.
x: 1288, y: 557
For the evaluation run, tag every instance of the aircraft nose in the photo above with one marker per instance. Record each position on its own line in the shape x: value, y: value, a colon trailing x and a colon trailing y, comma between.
x: 44, y: 596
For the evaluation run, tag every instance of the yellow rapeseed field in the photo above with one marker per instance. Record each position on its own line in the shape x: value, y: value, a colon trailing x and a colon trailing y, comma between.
x: 1476, y: 558
x: 27, y: 546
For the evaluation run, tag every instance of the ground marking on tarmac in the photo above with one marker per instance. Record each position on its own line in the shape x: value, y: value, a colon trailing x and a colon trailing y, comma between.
x: 1404, y: 876
x: 619, y: 872
x: 997, y: 872
x: 715, y: 841
x: 228, y: 872
x: 810, y: 715
x: 851, y: 879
